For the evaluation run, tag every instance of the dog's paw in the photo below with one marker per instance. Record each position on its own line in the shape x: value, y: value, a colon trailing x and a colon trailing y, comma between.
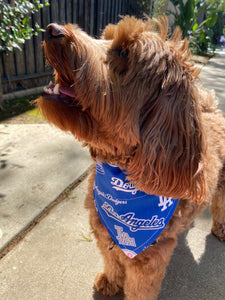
x: 104, y: 286
x: 219, y: 230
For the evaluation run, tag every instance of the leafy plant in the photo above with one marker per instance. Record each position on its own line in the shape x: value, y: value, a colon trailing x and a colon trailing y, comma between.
x: 160, y: 7
x: 201, y: 35
x: 14, y: 22
x: 184, y: 14
x: 197, y: 19
x: 15, y: 25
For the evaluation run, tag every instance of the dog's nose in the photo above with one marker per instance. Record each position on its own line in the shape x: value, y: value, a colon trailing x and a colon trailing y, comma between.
x: 53, y: 31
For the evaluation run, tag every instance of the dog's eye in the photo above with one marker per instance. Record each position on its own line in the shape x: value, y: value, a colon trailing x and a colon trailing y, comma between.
x: 121, y: 52
x: 124, y: 54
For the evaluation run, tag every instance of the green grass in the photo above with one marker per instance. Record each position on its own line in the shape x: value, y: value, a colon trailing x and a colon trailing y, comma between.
x: 34, y: 113
x: 18, y: 106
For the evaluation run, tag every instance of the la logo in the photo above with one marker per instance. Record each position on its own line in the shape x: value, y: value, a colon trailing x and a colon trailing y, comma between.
x: 164, y: 202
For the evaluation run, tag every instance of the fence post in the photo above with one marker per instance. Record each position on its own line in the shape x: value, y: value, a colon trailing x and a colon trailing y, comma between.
x: 1, y: 94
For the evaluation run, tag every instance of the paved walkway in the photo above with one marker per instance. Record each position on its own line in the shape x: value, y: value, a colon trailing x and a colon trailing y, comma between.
x: 213, y: 77
x: 58, y: 259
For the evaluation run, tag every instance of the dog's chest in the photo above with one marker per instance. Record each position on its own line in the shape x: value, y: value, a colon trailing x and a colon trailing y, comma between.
x: 133, y: 218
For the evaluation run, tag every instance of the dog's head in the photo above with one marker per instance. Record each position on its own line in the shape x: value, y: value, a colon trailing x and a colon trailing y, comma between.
x: 131, y: 98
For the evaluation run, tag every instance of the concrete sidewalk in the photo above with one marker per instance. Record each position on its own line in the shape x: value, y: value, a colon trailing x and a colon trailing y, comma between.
x: 58, y: 258
x: 37, y: 162
x: 213, y: 77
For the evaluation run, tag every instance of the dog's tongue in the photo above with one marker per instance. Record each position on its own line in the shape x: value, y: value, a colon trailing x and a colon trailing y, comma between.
x: 69, y: 91
x: 56, y: 90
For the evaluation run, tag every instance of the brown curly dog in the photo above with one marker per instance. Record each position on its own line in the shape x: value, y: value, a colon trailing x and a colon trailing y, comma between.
x: 157, y: 139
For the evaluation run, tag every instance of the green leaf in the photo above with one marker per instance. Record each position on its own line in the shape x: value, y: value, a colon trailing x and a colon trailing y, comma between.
x: 9, y: 48
x: 20, y: 40
x: 204, y: 22
x: 211, y: 21
x: 25, y: 20
x: 195, y: 27
x: 15, y: 45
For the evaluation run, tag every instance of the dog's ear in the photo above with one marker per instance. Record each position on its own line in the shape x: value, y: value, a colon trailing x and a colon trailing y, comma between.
x: 170, y: 158
x: 109, y: 32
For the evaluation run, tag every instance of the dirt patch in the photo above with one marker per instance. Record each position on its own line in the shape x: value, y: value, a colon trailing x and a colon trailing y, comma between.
x: 20, y: 111
x: 29, y: 117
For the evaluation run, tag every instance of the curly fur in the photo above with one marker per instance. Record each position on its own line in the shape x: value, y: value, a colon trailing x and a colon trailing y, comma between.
x: 137, y: 105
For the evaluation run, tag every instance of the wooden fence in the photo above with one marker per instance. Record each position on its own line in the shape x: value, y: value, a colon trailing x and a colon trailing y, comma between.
x: 27, y: 68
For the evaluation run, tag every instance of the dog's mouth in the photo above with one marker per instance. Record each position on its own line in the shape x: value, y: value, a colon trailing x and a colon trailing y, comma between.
x: 55, y: 93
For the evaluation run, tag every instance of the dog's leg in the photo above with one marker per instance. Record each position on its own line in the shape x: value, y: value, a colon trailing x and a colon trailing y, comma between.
x: 110, y: 281
x: 218, y: 209
x: 144, y: 274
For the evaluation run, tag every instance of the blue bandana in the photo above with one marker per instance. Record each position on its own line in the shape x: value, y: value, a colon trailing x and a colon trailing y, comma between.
x: 133, y: 218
